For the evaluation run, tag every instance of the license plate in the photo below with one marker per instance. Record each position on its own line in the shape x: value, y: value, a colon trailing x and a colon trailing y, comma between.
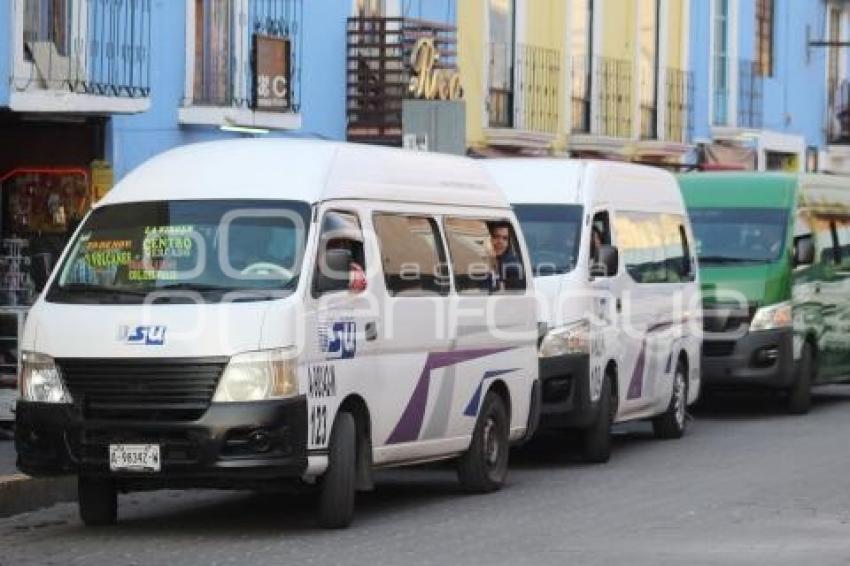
x: 134, y: 458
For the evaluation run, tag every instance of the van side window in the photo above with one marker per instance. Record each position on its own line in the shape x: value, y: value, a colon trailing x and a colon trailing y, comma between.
x: 677, y: 253
x: 412, y: 255
x: 842, y: 228
x: 485, y: 256
x: 826, y: 240
x: 642, y: 246
x: 341, y: 261
x: 600, y: 235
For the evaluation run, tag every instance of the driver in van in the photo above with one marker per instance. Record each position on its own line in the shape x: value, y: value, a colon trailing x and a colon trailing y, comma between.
x: 356, y: 273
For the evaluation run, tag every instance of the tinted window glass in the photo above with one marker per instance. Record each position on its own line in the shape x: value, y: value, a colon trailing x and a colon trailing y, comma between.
x: 739, y: 235
x: 642, y: 246
x: 411, y: 255
x: 126, y: 251
x: 552, y: 234
x: 676, y: 248
x: 842, y: 228
x: 340, y: 231
x: 485, y: 256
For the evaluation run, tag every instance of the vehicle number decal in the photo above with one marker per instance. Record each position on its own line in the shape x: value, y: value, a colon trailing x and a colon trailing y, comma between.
x: 319, y: 425
x: 321, y: 381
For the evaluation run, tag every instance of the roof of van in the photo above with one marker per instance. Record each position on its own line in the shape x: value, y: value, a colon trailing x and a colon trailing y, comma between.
x: 538, y: 180
x: 759, y: 189
x: 306, y: 170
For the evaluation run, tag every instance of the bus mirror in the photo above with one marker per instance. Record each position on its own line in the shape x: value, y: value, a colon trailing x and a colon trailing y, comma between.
x: 804, y: 250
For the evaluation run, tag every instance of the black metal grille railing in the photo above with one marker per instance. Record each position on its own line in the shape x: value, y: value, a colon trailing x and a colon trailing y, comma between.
x: 750, y: 88
x: 838, y: 113
x: 142, y: 389
x: 581, y: 95
x: 378, y: 72
x: 224, y: 31
x: 614, y: 79
x: 538, y: 81
x: 679, y: 107
x: 500, y: 91
x: 98, y: 47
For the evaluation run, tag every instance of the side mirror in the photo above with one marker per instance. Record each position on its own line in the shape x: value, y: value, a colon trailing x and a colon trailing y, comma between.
x: 804, y: 250
x: 607, y: 262
x: 333, y: 271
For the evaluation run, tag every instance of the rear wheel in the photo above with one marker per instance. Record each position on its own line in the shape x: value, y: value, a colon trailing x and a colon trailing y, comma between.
x: 800, y: 394
x: 672, y: 423
x: 484, y: 466
x: 337, y: 489
x: 596, y: 439
x: 97, y: 500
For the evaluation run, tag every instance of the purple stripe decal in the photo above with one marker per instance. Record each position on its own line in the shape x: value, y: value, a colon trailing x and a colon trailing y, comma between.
x: 472, y: 407
x: 408, y: 427
x: 636, y: 384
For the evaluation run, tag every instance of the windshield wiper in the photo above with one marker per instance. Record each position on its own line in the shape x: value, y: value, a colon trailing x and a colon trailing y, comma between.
x: 723, y: 259
x: 101, y: 289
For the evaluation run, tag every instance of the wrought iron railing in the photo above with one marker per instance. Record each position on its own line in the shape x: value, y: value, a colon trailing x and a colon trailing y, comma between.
x: 538, y: 82
x: 838, y: 113
x: 224, y: 32
x: 581, y: 95
x: 750, y: 89
x: 378, y: 72
x: 614, y: 80
x: 679, y: 105
x: 97, y: 47
x: 500, y: 90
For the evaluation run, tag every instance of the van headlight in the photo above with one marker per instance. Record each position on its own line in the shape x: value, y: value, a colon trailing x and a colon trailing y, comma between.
x: 772, y: 317
x: 40, y: 380
x: 570, y: 339
x: 258, y: 376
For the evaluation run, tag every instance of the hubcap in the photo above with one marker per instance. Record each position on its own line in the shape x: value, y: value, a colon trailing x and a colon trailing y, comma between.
x: 491, y: 442
x: 679, y: 399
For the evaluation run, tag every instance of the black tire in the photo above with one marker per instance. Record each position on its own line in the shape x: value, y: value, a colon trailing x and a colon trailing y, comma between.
x: 596, y: 439
x: 800, y: 393
x: 484, y: 466
x: 338, y: 485
x: 97, y: 500
x: 672, y: 423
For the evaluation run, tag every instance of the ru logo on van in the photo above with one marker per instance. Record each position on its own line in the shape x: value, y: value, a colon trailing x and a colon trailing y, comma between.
x: 142, y: 335
x: 338, y: 340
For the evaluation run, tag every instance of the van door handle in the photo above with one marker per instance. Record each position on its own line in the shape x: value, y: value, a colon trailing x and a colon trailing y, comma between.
x: 817, y: 288
x: 619, y: 305
x: 371, y: 331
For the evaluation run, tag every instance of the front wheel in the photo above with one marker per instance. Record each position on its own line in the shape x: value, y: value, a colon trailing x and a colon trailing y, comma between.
x: 800, y: 394
x: 484, y: 466
x: 672, y: 423
x: 97, y: 500
x: 338, y: 485
x: 596, y: 439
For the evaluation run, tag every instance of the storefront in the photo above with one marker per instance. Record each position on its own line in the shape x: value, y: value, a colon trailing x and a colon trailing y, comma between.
x: 46, y: 167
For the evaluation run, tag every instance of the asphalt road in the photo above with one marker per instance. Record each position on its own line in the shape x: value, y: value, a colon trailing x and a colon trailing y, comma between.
x: 747, y: 485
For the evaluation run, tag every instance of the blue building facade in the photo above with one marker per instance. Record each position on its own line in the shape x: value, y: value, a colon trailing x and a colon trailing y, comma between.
x: 765, y: 98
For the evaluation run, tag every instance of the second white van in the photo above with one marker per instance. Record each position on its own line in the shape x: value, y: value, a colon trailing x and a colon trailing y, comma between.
x: 616, y: 277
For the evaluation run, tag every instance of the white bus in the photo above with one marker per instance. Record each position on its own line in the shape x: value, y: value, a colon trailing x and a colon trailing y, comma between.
x: 616, y: 276
x: 267, y: 313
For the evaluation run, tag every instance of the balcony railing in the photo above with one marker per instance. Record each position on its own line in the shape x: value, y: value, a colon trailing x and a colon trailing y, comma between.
x: 538, y: 80
x: 378, y: 72
x: 838, y: 113
x: 679, y: 106
x: 750, y: 89
x: 96, y: 47
x: 614, y: 80
x: 581, y: 95
x: 500, y: 91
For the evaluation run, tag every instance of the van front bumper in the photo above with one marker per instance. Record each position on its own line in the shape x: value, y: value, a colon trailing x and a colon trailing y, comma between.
x: 566, y: 392
x: 758, y: 359
x: 232, y: 445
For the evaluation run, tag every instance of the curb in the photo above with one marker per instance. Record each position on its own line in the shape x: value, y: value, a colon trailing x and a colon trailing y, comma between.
x: 20, y: 493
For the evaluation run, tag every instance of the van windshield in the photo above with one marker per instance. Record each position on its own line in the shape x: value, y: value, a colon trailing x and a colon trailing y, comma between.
x: 739, y: 235
x: 552, y: 233
x: 203, y: 250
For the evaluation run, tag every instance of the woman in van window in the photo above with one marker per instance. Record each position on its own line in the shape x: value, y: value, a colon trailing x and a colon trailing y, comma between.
x: 507, y: 268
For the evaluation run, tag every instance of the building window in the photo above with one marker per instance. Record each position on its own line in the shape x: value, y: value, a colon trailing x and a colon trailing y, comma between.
x: 213, y: 52
x: 648, y: 61
x: 721, y: 62
x: 502, y: 56
x: 581, y: 49
x: 764, y: 37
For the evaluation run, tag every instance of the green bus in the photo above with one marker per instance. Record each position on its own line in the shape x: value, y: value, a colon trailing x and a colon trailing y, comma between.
x: 774, y: 262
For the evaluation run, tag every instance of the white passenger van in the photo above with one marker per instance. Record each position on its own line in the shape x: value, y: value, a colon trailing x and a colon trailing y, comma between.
x: 616, y: 277
x: 276, y: 313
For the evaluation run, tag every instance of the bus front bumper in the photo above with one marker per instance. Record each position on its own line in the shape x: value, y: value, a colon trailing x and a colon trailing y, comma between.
x: 566, y: 392
x: 758, y: 359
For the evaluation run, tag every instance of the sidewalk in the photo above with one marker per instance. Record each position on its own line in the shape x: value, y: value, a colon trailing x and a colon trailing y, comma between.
x: 20, y: 493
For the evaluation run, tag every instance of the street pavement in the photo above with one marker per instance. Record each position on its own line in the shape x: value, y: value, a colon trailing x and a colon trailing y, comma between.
x: 747, y: 486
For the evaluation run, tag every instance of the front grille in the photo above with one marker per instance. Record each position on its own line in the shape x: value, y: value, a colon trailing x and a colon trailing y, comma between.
x: 718, y: 349
x: 91, y: 446
x: 719, y: 319
x: 142, y: 389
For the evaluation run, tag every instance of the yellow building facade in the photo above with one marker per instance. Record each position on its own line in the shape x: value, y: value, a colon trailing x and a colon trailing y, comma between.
x: 604, y: 78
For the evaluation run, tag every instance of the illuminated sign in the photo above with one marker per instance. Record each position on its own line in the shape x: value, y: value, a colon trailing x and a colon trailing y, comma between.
x: 429, y: 82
